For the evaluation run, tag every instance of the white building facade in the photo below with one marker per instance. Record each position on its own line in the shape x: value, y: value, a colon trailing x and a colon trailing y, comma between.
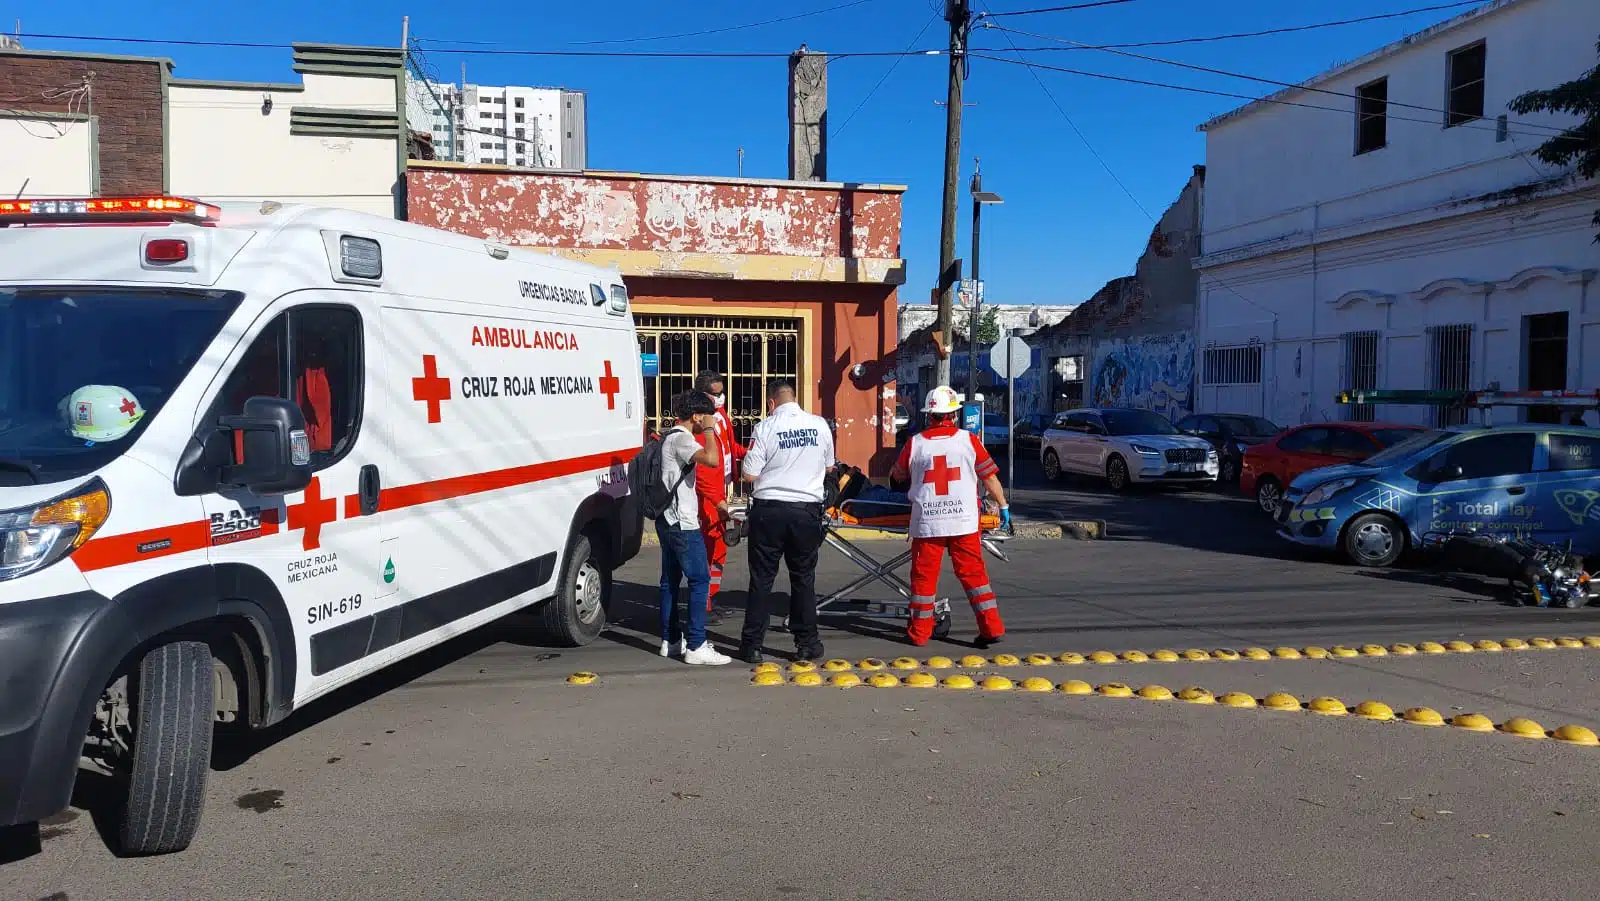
x: 528, y: 127
x: 1385, y: 225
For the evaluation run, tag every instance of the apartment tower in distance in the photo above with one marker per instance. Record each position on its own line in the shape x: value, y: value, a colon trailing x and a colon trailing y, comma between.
x: 528, y: 127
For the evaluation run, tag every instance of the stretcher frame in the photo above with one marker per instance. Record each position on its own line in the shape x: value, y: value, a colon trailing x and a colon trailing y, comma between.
x: 885, y: 571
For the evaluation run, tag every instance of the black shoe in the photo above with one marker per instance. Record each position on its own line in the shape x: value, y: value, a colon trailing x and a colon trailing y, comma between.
x: 983, y: 644
x: 751, y: 656
x: 811, y: 652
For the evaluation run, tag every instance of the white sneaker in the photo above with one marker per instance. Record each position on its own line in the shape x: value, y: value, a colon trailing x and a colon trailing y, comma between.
x: 667, y: 649
x: 706, y: 655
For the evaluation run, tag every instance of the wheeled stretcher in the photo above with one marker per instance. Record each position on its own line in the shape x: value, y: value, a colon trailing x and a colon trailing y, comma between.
x: 847, y: 515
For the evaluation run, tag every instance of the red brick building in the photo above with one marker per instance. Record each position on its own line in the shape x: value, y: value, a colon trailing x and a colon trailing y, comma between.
x: 757, y: 279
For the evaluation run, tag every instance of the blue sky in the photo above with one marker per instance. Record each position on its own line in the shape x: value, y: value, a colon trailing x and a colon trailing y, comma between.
x: 1065, y: 228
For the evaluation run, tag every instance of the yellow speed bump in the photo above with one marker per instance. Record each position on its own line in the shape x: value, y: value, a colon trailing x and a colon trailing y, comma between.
x: 1488, y: 644
x: 973, y: 660
x: 1225, y: 654
x: 1316, y: 653
x: 808, y: 679
x: 1196, y: 654
x: 1072, y: 658
x: 1007, y: 660
x: 1402, y: 649
x: 872, y: 664
x: 838, y: 666
x: 959, y: 681
x: 921, y: 680
x: 1165, y: 655
x: 1286, y: 653
x: 1327, y: 706
x: 1135, y: 657
x: 1459, y: 647
x: 996, y: 683
x: 1156, y: 693
x: 1569, y: 642
x: 1258, y: 653
x: 1076, y: 687
x: 1522, y: 727
x: 940, y: 663
x: 802, y: 666
x: 1236, y: 699
x: 767, y: 668
x: 581, y: 678
x: 1194, y: 694
x: 906, y: 663
x: 1340, y: 650
x: 1116, y: 690
x: 1472, y: 722
x: 1432, y: 647
x: 1374, y: 710
x: 883, y: 680
x: 1280, y: 700
x: 845, y: 680
x: 1102, y: 657
x: 1576, y: 735
x: 1041, y: 660
x: 1514, y: 644
x: 1423, y: 716
x: 1374, y: 650
x: 1035, y: 683
x: 1591, y: 641
x: 1543, y: 644
x: 767, y: 677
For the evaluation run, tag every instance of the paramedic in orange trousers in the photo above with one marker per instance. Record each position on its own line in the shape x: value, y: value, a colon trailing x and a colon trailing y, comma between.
x: 945, y: 466
x: 713, y: 485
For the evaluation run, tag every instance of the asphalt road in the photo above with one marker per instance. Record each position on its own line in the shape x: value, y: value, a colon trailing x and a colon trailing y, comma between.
x: 475, y: 772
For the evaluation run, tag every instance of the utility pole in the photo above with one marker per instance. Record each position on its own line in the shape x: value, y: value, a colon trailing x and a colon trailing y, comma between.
x: 959, y: 15
x: 980, y: 198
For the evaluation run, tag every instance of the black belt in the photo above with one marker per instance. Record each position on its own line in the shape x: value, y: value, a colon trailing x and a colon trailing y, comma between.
x: 774, y: 503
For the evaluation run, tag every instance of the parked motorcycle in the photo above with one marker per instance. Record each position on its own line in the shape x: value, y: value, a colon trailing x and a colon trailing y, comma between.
x: 1544, y: 575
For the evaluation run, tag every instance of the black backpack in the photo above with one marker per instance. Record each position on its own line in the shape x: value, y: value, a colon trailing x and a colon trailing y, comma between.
x: 645, y: 480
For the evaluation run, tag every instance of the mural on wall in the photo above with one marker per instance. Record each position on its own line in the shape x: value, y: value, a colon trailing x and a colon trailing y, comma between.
x: 1154, y: 372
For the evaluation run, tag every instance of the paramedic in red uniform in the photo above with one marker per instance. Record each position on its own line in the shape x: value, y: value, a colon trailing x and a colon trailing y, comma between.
x: 713, y: 485
x: 945, y: 466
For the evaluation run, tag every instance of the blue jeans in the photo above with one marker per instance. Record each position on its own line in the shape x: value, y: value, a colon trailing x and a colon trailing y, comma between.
x: 683, y: 556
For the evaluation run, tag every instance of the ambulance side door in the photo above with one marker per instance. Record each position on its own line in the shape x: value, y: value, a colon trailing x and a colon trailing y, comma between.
x: 321, y: 547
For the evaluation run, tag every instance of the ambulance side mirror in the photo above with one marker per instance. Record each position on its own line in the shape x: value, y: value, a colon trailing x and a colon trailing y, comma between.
x: 272, y: 447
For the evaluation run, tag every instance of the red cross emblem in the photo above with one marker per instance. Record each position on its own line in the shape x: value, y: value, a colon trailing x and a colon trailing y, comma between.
x: 941, y: 475
x: 610, y: 386
x: 430, y: 388
x: 128, y: 407
x: 311, y: 513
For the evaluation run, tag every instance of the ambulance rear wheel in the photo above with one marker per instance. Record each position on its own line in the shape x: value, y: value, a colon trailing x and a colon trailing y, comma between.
x: 577, y: 614
x: 941, y: 626
x: 173, y: 712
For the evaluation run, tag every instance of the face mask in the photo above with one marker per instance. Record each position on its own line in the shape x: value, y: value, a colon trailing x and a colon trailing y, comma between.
x: 720, y: 399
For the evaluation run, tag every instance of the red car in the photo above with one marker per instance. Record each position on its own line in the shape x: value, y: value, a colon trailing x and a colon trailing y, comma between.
x: 1270, y: 466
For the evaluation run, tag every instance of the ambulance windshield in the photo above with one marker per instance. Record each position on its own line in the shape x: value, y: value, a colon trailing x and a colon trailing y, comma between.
x: 64, y: 353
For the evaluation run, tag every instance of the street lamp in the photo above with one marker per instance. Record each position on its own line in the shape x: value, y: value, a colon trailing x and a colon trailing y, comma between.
x: 980, y: 198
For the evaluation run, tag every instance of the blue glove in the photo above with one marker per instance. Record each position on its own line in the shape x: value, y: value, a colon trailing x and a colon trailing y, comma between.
x: 1005, y: 518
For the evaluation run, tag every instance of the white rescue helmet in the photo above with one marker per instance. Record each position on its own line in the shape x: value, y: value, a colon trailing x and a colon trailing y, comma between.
x: 102, y: 412
x: 942, y: 399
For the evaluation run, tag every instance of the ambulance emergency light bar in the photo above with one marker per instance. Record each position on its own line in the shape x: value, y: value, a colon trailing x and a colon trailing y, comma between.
x: 107, y: 209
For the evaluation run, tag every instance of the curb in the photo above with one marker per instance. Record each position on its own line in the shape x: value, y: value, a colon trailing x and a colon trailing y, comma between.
x: 1080, y: 529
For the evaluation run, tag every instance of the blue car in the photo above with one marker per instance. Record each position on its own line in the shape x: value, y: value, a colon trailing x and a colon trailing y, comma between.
x: 1537, y: 481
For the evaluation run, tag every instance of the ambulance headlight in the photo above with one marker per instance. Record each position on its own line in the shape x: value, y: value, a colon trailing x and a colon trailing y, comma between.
x: 35, y: 537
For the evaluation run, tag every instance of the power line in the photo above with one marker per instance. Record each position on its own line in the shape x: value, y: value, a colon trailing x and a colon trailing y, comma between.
x: 1247, y: 97
x: 1055, y: 9
x: 895, y: 65
x: 1230, y: 74
x: 728, y: 28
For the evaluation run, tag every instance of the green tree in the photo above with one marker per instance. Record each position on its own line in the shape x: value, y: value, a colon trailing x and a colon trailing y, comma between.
x: 989, y: 326
x: 1579, y: 144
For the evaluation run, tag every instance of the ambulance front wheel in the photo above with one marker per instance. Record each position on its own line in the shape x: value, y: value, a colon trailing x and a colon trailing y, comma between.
x: 173, y: 711
x: 941, y: 626
x: 577, y: 614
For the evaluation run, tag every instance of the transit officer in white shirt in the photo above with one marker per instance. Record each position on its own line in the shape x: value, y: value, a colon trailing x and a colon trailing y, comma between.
x: 788, y: 460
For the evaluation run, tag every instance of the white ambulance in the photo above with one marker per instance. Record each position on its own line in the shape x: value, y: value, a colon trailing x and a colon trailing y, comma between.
x: 251, y: 453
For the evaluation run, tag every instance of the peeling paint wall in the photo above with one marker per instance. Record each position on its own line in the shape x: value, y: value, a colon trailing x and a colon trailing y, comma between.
x: 639, y: 212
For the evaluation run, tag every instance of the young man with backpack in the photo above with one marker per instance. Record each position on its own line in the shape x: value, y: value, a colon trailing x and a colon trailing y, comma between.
x: 670, y: 498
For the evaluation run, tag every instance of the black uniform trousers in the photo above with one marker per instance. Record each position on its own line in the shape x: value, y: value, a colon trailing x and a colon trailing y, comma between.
x: 791, y: 532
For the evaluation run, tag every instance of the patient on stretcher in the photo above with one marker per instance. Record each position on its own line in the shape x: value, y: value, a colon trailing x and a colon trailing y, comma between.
x: 859, y: 502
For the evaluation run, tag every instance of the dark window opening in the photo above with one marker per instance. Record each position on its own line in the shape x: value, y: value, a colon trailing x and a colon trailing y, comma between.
x: 1450, y: 352
x: 1547, y: 361
x: 1372, y: 116
x: 1466, y: 76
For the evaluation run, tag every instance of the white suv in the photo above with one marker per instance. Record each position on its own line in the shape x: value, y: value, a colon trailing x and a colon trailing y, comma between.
x: 1125, y: 446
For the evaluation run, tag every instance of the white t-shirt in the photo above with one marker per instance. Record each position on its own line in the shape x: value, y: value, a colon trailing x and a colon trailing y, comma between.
x: 790, y: 454
x: 678, y: 448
